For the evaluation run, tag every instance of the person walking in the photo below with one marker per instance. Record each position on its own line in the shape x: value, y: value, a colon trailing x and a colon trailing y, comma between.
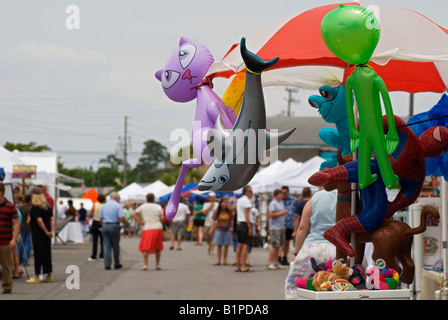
x: 151, y: 216
x: 222, y: 227
x: 42, y: 225
x: 9, y: 224
x: 290, y: 202
x: 244, y: 229
x: 110, y: 216
x: 318, y: 215
x: 209, y: 209
x: 306, y: 195
x: 95, y: 228
x: 24, y: 246
x: 179, y: 224
x: 198, y: 221
x: 82, y: 218
x: 277, y: 215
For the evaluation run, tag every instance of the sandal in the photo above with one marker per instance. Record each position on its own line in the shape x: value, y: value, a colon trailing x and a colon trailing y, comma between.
x: 145, y: 267
x: 247, y: 270
x: 158, y: 268
x: 237, y: 270
x: 216, y: 264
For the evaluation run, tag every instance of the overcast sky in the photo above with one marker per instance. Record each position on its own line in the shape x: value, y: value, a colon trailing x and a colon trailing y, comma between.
x: 71, y: 89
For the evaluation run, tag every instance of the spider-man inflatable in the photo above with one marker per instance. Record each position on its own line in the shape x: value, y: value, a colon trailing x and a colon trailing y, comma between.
x: 408, y: 163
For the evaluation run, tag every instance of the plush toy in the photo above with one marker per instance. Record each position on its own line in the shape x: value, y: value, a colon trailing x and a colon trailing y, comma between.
x: 337, y: 285
x: 305, y: 283
x: 340, y: 270
x: 358, y: 277
x: 326, y: 266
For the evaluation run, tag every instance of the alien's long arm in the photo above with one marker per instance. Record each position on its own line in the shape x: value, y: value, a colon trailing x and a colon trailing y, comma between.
x: 392, y: 139
x: 353, y: 131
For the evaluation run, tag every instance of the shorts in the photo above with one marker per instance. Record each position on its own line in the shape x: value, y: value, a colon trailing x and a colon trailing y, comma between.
x: 288, y: 234
x: 198, y: 223
x: 207, y: 236
x: 178, y: 228
x: 277, y: 238
x: 243, y: 233
x: 222, y: 238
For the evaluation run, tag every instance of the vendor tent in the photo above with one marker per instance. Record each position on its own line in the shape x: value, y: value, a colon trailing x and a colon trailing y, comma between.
x: 166, y: 197
x: 132, y: 192
x: 157, y: 188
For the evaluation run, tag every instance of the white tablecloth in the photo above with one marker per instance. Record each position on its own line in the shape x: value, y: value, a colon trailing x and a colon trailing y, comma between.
x: 71, y: 232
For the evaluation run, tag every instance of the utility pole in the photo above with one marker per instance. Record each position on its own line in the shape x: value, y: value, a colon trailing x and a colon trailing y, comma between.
x: 125, y: 151
x: 290, y: 99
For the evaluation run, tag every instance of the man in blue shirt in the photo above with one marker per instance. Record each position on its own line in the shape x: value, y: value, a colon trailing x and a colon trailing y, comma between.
x: 277, y: 213
x: 110, y: 216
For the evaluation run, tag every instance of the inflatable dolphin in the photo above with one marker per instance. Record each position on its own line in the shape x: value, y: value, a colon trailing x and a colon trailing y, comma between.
x: 238, y: 153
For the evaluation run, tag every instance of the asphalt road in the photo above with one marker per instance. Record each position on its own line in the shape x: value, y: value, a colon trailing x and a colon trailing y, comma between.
x: 186, y: 275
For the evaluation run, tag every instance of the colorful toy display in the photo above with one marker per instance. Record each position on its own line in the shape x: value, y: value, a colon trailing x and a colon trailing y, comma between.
x: 245, y: 146
x: 352, y: 34
x: 331, y: 106
x: 183, y: 80
x: 381, y: 278
x: 408, y: 162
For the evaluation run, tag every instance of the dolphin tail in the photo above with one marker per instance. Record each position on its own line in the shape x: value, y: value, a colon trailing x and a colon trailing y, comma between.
x: 274, y: 139
x: 253, y: 62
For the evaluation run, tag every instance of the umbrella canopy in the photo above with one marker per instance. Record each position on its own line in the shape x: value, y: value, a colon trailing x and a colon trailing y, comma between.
x: 412, y: 53
x: 91, y: 194
x: 165, y: 198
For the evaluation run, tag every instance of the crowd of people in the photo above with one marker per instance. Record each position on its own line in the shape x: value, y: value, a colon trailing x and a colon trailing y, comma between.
x: 294, y: 224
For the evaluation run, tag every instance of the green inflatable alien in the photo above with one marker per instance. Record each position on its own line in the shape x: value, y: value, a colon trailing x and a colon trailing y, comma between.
x: 352, y: 33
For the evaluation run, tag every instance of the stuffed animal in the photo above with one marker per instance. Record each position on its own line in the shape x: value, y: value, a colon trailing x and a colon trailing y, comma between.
x: 340, y: 270
x: 326, y: 266
x: 358, y: 277
x: 337, y: 285
x: 304, y: 283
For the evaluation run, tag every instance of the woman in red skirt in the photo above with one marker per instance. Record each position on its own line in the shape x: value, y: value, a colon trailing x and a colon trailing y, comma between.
x: 151, y: 216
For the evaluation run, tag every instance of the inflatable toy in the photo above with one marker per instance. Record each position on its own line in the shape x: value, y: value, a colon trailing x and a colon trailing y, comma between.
x: 183, y: 80
x: 419, y: 123
x: 408, y: 161
x: 245, y: 146
x: 352, y: 34
x: 331, y: 106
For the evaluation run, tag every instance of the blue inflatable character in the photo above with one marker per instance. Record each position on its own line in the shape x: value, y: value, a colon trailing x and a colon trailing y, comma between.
x: 331, y: 106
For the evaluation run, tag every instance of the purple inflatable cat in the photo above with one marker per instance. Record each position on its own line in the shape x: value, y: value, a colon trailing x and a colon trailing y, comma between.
x: 183, y: 79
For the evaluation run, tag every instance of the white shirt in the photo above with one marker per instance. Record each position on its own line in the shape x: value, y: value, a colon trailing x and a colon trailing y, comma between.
x: 182, y: 211
x: 241, y: 204
x: 210, y: 212
x: 150, y: 213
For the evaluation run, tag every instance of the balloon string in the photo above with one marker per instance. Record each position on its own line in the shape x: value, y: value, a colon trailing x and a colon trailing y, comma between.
x: 410, y: 124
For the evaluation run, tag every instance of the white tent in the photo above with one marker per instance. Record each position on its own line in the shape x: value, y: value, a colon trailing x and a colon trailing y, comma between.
x: 158, y: 188
x: 299, y: 179
x: 287, y: 173
x: 132, y: 192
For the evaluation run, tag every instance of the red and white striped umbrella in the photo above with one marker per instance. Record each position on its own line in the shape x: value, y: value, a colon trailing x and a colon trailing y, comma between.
x: 411, y: 56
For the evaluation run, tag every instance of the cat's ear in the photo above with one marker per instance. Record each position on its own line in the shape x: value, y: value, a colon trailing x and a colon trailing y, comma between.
x: 158, y: 74
x: 183, y: 40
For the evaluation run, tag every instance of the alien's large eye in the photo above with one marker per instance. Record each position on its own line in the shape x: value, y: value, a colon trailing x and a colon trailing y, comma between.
x: 223, y: 179
x: 186, y: 55
x: 326, y: 94
x: 169, y: 78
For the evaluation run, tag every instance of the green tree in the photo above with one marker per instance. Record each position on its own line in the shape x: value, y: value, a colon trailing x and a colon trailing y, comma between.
x: 32, y: 146
x: 152, y: 163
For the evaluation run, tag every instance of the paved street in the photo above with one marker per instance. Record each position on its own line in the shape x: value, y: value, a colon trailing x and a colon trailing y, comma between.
x: 186, y: 275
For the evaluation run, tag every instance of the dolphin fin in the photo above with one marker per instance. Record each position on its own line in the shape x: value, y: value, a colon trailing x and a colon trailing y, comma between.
x: 217, y: 141
x: 253, y: 62
x: 274, y: 139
